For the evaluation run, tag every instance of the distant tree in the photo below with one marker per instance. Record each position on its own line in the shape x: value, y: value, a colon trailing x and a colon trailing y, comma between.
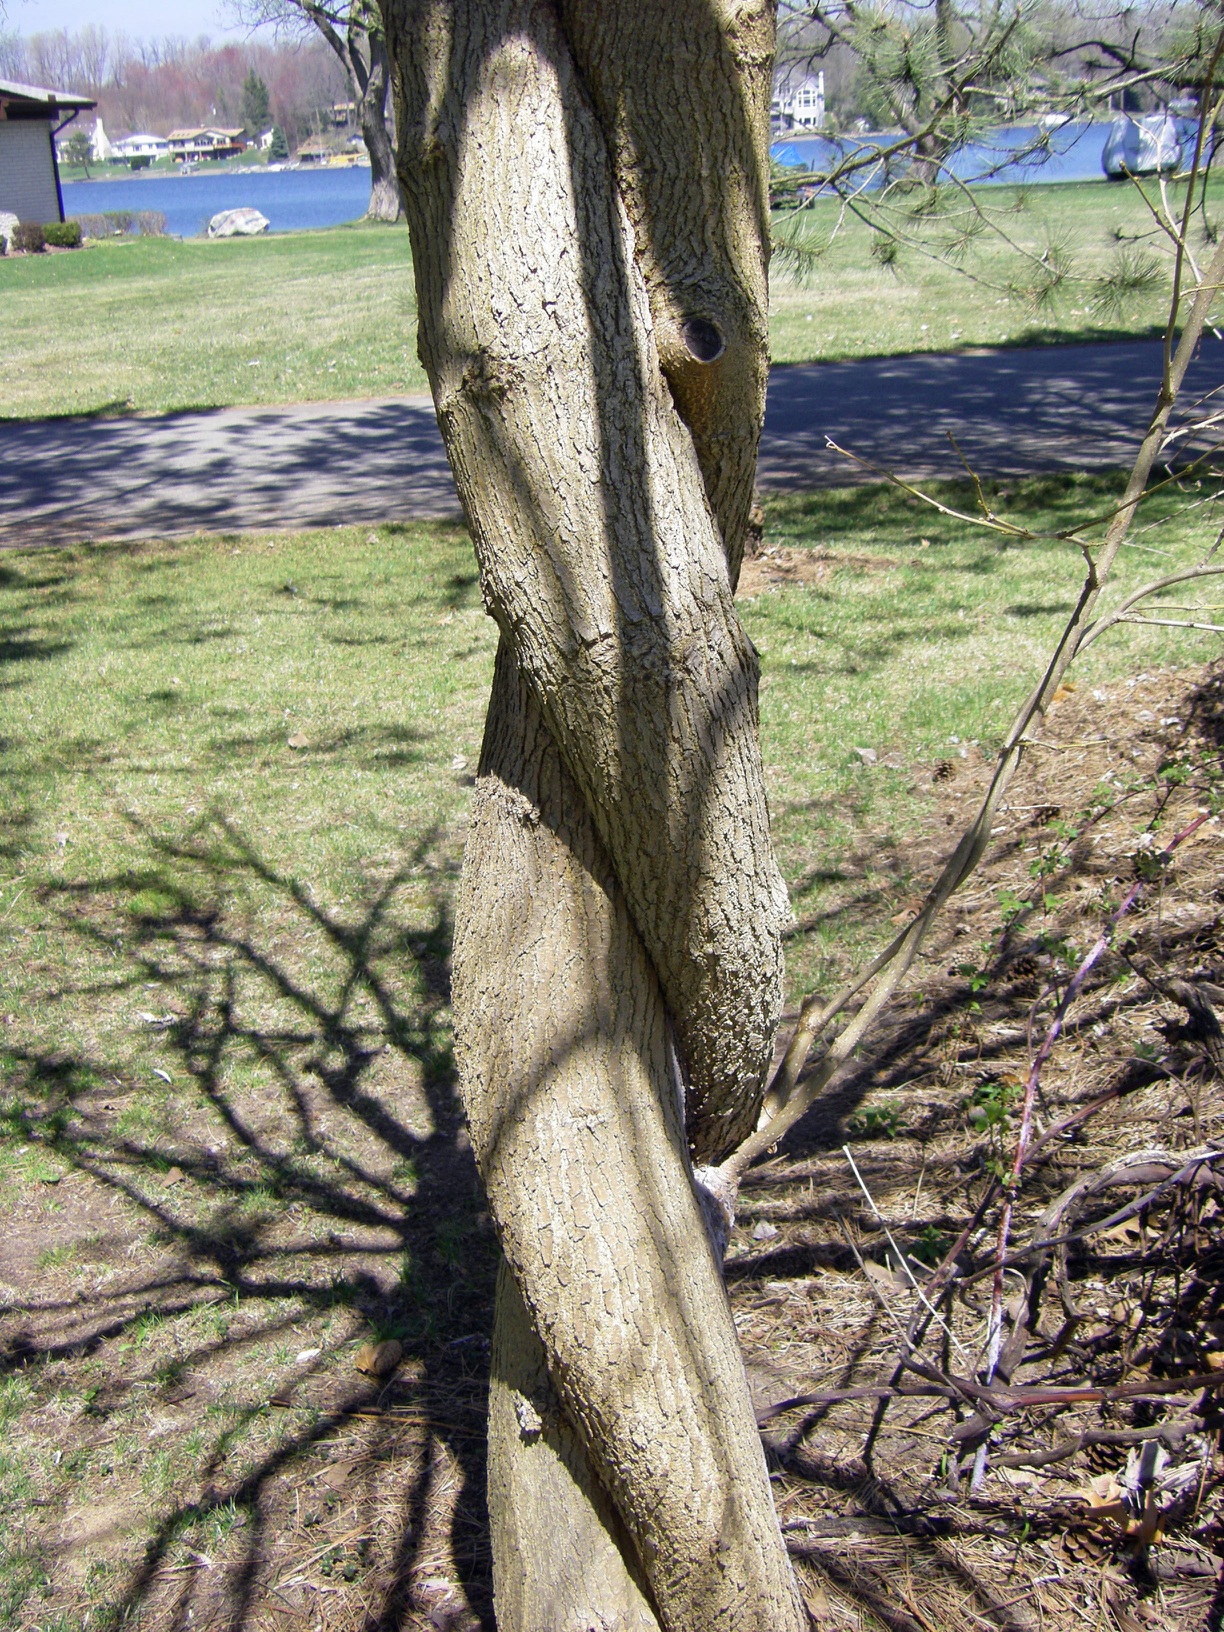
x: 77, y: 150
x: 279, y: 147
x: 256, y: 112
x: 162, y: 83
x: 354, y: 31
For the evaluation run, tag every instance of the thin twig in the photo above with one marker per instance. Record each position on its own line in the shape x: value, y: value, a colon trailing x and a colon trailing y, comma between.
x: 901, y: 1257
x: 1004, y: 1401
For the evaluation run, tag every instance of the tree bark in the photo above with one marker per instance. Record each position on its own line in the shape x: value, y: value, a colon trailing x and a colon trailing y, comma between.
x: 568, y: 1079
x: 373, y: 105
x: 594, y: 337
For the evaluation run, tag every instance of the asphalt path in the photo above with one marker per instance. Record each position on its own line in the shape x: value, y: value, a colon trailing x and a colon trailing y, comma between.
x: 1011, y: 412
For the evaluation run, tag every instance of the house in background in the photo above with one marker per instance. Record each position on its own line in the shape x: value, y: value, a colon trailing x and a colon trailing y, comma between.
x: 30, y: 120
x: 206, y: 142
x: 316, y: 150
x: 140, y: 149
x: 798, y: 104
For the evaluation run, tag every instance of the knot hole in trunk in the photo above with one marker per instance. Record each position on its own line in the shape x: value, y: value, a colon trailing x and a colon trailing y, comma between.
x: 703, y: 339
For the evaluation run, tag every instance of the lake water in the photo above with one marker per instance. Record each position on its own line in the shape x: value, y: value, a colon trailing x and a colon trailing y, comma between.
x: 292, y: 200
x: 1070, y: 153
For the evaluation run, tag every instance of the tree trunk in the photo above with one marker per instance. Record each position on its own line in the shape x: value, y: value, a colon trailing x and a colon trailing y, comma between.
x: 386, y: 203
x: 590, y: 283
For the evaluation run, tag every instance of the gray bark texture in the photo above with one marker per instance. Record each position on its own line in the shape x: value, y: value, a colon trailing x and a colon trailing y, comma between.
x: 373, y: 104
x: 584, y: 188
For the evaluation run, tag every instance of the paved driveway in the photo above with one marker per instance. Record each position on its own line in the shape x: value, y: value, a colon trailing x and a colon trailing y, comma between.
x: 236, y: 469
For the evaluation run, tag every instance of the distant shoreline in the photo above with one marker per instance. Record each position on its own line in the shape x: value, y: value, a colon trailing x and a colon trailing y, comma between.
x: 76, y: 175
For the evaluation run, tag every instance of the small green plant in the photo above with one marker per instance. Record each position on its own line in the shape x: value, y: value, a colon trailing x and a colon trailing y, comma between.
x: 1049, y: 862
x: 978, y: 977
x: 1051, y: 943
x: 143, y: 1328
x: 930, y: 1246
x: 884, y: 250
x: 63, y: 234
x: 876, y: 1121
x: 28, y: 238
x: 991, y: 1102
x: 1011, y: 907
x: 56, y: 1257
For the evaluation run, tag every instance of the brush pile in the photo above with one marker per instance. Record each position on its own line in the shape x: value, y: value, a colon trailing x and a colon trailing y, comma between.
x: 981, y: 1287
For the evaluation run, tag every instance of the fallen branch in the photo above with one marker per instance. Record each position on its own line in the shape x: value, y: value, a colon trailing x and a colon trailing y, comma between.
x: 1001, y: 1401
x: 1137, y: 1168
x: 1170, y: 1434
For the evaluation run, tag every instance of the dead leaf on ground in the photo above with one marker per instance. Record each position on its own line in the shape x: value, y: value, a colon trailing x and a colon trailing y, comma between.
x: 817, y: 1601
x: 379, y: 1359
x: 299, y: 740
x: 883, y: 1276
x: 174, y: 1175
x: 337, y: 1474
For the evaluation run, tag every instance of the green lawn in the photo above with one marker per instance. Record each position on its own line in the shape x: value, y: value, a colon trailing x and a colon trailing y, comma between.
x: 953, y: 286
x: 151, y: 326
x: 321, y: 695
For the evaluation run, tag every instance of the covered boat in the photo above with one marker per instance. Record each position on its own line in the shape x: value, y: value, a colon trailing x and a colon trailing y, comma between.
x: 1148, y: 146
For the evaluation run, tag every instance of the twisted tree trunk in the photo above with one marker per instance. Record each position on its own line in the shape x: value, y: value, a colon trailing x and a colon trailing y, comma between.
x: 585, y: 188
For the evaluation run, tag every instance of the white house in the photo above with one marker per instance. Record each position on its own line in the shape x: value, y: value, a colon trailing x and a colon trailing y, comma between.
x: 798, y: 104
x: 30, y: 119
x: 142, y: 145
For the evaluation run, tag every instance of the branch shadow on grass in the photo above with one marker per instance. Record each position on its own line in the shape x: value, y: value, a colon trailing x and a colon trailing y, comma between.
x: 303, y: 1177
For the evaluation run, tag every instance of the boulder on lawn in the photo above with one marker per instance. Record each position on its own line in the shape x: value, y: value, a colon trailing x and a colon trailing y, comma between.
x: 8, y: 226
x: 243, y: 223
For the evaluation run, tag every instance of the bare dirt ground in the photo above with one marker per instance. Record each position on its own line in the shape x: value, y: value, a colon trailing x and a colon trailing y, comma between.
x: 1083, y: 1490
x: 184, y: 1313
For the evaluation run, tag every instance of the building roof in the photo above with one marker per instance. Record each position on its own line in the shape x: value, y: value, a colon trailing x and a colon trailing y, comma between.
x: 203, y: 130
x: 37, y: 96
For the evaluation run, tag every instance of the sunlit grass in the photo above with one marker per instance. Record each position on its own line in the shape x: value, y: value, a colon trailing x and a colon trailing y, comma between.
x: 154, y: 324
x: 938, y: 294
x: 158, y: 324
x: 321, y: 697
